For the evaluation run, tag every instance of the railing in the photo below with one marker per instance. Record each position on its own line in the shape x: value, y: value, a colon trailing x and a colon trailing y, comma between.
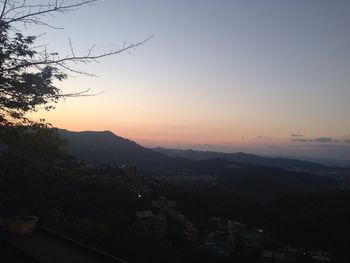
x: 82, y: 247
x: 10, y: 243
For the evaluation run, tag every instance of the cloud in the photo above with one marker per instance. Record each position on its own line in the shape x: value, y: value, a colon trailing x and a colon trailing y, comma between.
x: 296, y: 135
x: 317, y: 140
x: 300, y: 140
x: 324, y: 139
x: 329, y: 146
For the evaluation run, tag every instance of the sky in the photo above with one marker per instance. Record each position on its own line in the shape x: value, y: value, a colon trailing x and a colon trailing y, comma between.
x: 267, y: 77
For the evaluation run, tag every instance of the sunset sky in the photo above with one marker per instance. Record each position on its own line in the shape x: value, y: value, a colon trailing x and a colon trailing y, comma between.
x: 267, y: 77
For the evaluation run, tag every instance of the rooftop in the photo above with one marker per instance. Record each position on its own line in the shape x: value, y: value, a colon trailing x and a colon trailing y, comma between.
x: 46, y: 246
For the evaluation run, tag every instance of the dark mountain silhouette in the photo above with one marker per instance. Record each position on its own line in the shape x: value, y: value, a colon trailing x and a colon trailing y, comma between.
x: 239, y: 172
x: 283, y: 163
x: 269, y: 182
x: 104, y: 147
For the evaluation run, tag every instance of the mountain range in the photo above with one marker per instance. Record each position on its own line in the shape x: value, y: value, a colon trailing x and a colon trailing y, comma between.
x: 253, y: 159
x: 104, y: 147
x: 240, y: 172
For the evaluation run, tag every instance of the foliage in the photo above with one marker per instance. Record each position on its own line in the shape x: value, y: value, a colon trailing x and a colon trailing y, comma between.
x: 37, y: 143
x: 22, y: 88
x: 313, y: 220
x: 28, y: 72
x: 28, y: 78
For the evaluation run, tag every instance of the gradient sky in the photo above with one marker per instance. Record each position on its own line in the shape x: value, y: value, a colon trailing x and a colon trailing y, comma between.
x: 269, y: 77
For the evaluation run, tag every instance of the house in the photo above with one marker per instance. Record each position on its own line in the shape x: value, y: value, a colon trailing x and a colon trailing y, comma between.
x: 144, y: 220
x: 320, y: 256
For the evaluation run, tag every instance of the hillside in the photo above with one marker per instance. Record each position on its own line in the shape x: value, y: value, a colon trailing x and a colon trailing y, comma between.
x: 104, y: 147
x: 242, y: 173
x: 246, y: 158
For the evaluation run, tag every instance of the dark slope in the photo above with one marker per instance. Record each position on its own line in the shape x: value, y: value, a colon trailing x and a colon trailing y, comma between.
x: 242, y: 176
x: 253, y: 180
x: 313, y: 220
x: 284, y: 163
x: 104, y: 147
x: 268, y: 182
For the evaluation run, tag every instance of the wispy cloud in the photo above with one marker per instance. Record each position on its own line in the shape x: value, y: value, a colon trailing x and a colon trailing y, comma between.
x: 300, y: 140
x: 324, y: 145
x: 316, y: 140
x: 296, y: 135
x: 324, y: 139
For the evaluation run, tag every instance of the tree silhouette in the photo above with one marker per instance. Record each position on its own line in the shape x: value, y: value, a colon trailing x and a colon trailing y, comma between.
x: 27, y: 72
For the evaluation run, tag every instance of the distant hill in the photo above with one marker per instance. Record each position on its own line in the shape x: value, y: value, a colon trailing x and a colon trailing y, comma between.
x: 243, y: 173
x: 104, y: 147
x: 269, y: 182
x: 283, y: 163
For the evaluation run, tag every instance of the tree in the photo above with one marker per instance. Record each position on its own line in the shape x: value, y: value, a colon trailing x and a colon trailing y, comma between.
x: 27, y: 73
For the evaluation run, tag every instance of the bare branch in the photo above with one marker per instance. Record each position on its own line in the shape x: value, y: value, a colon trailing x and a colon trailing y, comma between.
x: 28, y: 71
x: 82, y: 59
x: 3, y: 9
x: 42, y: 10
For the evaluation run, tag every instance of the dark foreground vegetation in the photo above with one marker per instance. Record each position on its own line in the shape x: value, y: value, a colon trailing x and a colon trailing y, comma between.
x: 101, y: 205
x: 176, y: 206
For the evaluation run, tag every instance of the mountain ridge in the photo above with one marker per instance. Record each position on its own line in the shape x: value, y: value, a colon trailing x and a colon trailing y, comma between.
x: 249, y: 158
x: 105, y: 147
x: 253, y: 176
